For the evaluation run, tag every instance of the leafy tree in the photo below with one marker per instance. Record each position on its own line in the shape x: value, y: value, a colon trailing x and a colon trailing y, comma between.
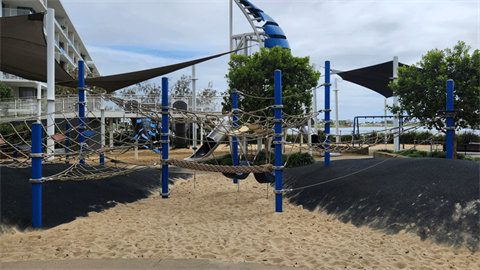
x: 182, y: 86
x: 206, y: 96
x: 254, y: 76
x: 5, y: 91
x: 422, y: 90
x: 147, y: 91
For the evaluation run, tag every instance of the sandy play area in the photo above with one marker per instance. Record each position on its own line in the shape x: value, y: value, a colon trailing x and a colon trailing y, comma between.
x: 208, y: 218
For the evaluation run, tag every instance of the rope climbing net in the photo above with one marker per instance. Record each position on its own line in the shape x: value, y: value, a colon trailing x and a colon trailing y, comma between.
x: 103, y: 155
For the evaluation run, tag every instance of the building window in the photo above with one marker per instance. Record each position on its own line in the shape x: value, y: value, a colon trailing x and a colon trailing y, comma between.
x: 26, y: 92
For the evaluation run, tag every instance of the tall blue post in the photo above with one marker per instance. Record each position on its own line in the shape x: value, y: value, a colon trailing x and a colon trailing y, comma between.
x: 165, y: 138
x: 278, y: 142
x: 235, y: 124
x: 450, y: 128
x: 327, y: 113
x: 36, y: 174
x: 81, y: 107
x: 67, y: 143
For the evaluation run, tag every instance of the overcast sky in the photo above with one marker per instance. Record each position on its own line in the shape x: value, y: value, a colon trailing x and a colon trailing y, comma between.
x: 124, y: 36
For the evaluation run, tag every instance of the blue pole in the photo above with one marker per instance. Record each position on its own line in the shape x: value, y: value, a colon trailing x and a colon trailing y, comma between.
x: 36, y: 174
x: 278, y: 142
x: 235, y: 124
x: 327, y: 113
x: 165, y: 137
x: 81, y: 107
x: 67, y: 142
x: 450, y: 128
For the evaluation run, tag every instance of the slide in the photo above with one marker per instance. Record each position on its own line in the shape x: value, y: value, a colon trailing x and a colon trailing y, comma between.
x: 214, y: 139
x: 315, y: 140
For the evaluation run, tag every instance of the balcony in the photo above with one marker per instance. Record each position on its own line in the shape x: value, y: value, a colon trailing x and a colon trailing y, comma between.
x: 10, y: 12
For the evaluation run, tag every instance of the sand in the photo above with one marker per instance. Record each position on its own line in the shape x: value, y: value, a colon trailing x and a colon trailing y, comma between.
x: 208, y: 218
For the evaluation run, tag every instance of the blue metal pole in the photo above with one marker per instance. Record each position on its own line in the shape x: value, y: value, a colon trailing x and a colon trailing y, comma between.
x: 36, y: 175
x: 235, y: 125
x: 165, y: 137
x: 327, y: 113
x: 67, y: 143
x: 81, y: 106
x: 278, y: 142
x: 450, y: 128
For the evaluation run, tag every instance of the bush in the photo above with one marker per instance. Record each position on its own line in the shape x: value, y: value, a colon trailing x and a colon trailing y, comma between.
x: 298, y: 160
x: 295, y: 159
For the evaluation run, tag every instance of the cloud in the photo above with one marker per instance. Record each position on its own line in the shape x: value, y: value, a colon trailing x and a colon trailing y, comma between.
x: 125, y: 36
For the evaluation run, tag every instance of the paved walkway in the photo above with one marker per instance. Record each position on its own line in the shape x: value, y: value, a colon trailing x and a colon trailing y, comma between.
x: 145, y: 264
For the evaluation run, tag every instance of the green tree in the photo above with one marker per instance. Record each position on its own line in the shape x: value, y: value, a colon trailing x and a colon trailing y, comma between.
x: 182, y: 86
x: 422, y: 90
x: 206, y: 96
x: 5, y: 91
x: 147, y: 91
x: 254, y: 76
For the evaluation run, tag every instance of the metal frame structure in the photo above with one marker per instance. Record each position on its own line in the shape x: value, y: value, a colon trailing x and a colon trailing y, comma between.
x: 267, y: 35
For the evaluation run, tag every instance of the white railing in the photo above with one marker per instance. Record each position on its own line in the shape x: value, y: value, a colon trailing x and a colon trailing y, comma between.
x: 22, y: 107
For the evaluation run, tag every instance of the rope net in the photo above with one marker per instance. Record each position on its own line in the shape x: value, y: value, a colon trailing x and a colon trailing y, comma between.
x: 15, y: 138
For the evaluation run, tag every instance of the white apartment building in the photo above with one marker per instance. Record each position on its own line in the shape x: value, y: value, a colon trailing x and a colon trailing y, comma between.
x: 69, y: 47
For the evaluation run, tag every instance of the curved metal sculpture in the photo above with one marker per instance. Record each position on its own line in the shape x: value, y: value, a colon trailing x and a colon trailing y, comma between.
x: 267, y: 35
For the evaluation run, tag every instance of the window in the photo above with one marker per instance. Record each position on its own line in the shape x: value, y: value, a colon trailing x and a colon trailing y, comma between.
x: 26, y: 92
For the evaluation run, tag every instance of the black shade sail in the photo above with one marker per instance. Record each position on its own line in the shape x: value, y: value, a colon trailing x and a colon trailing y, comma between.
x: 374, y: 77
x: 24, y: 53
x: 119, y: 81
x: 23, y: 48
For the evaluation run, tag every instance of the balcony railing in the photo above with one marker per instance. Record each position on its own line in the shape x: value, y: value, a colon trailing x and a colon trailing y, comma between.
x: 10, y: 12
x: 27, y: 107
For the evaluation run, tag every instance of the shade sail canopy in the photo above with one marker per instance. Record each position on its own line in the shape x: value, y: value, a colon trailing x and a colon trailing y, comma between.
x: 24, y: 53
x: 23, y: 48
x: 119, y: 81
x: 374, y: 77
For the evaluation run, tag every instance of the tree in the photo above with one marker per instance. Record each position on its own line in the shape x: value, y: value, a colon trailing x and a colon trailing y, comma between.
x: 254, y: 76
x: 421, y: 88
x: 206, y: 96
x: 182, y: 86
x: 5, y: 91
x: 147, y: 91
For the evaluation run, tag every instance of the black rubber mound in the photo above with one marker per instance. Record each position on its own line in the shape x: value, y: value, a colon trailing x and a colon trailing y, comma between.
x: 64, y: 201
x: 436, y: 199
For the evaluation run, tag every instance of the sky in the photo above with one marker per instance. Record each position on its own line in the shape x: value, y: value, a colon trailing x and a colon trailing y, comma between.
x: 124, y: 36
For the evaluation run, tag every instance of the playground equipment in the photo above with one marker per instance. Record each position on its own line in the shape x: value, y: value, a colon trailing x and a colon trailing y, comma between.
x: 356, y: 125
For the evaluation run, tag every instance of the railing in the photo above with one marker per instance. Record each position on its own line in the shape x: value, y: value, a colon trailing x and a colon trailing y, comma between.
x: 10, y: 12
x: 27, y: 107
x: 7, y: 76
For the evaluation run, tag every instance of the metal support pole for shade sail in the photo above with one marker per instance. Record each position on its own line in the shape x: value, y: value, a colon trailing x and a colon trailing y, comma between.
x: 165, y: 138
x: 337, y: 137
x: 50, y: 82
x: 194, y: 108
x: 396, y: 139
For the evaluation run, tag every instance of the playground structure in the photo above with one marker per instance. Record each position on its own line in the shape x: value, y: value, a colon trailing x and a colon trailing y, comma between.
x: 89, y: 163
x: 87, y: 150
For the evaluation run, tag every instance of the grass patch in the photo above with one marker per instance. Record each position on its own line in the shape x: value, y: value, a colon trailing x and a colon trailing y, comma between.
x: 433, y: 154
